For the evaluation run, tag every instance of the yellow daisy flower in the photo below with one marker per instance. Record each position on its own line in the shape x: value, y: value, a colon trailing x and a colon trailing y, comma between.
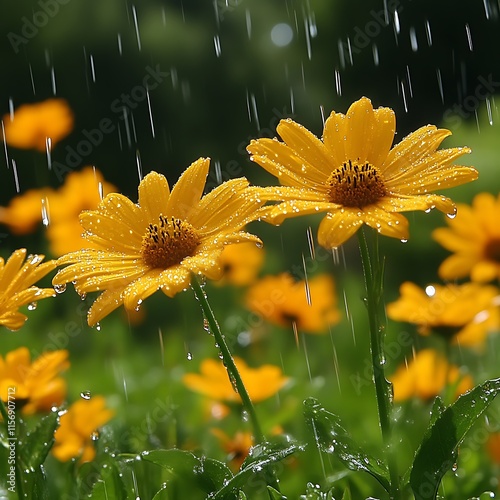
x: 466, y: 313
x: 474, y: 237
x: 32, y: 125
x: 37, y: 385
x: 78, y: 429
x: 355, y: 176
x: 284, y: 302
x: 426, y: 375
x: 16, y: 286
x: 159, y: 242
x: 241, y: 264
x: 261, y: 383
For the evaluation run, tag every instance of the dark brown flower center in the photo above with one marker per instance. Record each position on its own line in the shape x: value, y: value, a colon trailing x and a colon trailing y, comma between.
x: 355, y: 185
x: 492, y: 250
x: 169, y: 242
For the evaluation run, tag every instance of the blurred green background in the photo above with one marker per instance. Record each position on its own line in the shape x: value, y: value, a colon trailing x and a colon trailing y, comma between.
x: 227, y: 71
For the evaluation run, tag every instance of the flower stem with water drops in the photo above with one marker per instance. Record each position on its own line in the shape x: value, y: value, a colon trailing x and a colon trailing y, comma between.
x: 227, y: 359
x: 373, y: 270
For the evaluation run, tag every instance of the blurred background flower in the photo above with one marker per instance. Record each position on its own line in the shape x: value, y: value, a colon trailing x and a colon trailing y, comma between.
x: 37, y: 384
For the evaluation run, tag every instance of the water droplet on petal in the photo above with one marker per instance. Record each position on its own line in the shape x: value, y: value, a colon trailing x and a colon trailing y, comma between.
x: 60, y: 288
x: 32, y: 306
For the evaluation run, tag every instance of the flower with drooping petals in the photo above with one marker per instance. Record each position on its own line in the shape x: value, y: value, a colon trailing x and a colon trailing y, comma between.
x: 160, y: 242
x: 354, y: 176
x: 78, y: 427
x: 474, y: 237
x: 38, y: 126
x: 37, y: 385
x: 261, y: 383
x: 17, y: 289
x: 426, y: 375
x: 466, y: 313
x: 281, y: 300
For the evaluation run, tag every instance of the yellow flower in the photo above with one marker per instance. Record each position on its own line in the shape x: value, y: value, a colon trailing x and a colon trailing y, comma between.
x: 236, y: 448
x: 467, y: 312
x: 33, y: 125
x: 82, y: 190
x: 37, y: 385
x: 474, y: 237
x: 426, y: 375
x: 79, y: 428
x: 24, y: 212
x: 261, y: 383
x: 355, y: 176
x: 241, y: 264
x: 284, y: 302
x: 16, y: 290
x: 159, y: 242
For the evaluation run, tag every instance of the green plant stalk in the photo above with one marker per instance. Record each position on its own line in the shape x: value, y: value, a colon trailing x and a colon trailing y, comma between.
x: 227, y: 358
x: 373, y: 273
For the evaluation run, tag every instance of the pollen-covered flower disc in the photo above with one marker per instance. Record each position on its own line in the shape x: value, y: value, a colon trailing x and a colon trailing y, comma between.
x: 160, y: 242
x: 354, y: 176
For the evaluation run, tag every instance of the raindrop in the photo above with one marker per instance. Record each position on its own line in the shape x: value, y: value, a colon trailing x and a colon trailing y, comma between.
x: 217, y: 45
x: 98, y: 327
x: 469, y: 37
x: 60, y: 288
x: 85, y: 395
x: 281, y: 34
x: 94, y: 436
x: 189, y: 356
x: 452, y: 215
x: 136, y: 25
x: 413, y: 39
x: 32, y: 306
x: 404, y: 241
x: 430, y: 291
x: 206, y: 326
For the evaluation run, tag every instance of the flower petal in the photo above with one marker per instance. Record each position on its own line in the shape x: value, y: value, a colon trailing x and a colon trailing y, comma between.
x: 337, y: 227
x: 188, y: 190
x: 108, y: 301
x: 154, y: 192
x: 389, y: 224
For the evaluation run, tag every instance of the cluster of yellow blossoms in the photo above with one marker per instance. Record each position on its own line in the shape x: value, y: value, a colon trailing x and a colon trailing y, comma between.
x: 353, y: 174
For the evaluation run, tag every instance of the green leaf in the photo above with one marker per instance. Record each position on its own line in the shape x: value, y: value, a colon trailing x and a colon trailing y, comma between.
x: 332, y: 438
x: 261, y: 458
x: 109, y: 485
x: 207, y: 474
x: 274, y: 494
x: 38, y: 443
x: 162, y: 494
x: 438, y: 451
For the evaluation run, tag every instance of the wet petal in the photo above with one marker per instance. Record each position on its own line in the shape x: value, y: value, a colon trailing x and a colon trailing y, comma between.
x: 154, y: 192
x: 337, y: 227
x: 108, y: 301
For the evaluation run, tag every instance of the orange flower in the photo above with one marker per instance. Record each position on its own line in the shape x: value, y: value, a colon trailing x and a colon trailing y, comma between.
x: 58, y: 209
x: 241, y: 264
x: 33, y: 125
x: 37, y: 385
x: 16, y: 286
x: 466, y: 313
x: 261, y: 383
x: 236, y: 448
x: 282, y: 301
x: 493, y: 447
x: 474, y: 237
x: 79, y: 428
x: 426, y: 375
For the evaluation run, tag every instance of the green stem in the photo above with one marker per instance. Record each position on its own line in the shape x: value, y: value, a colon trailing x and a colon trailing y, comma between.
x: 373, y: 273
x: 227, y: 359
